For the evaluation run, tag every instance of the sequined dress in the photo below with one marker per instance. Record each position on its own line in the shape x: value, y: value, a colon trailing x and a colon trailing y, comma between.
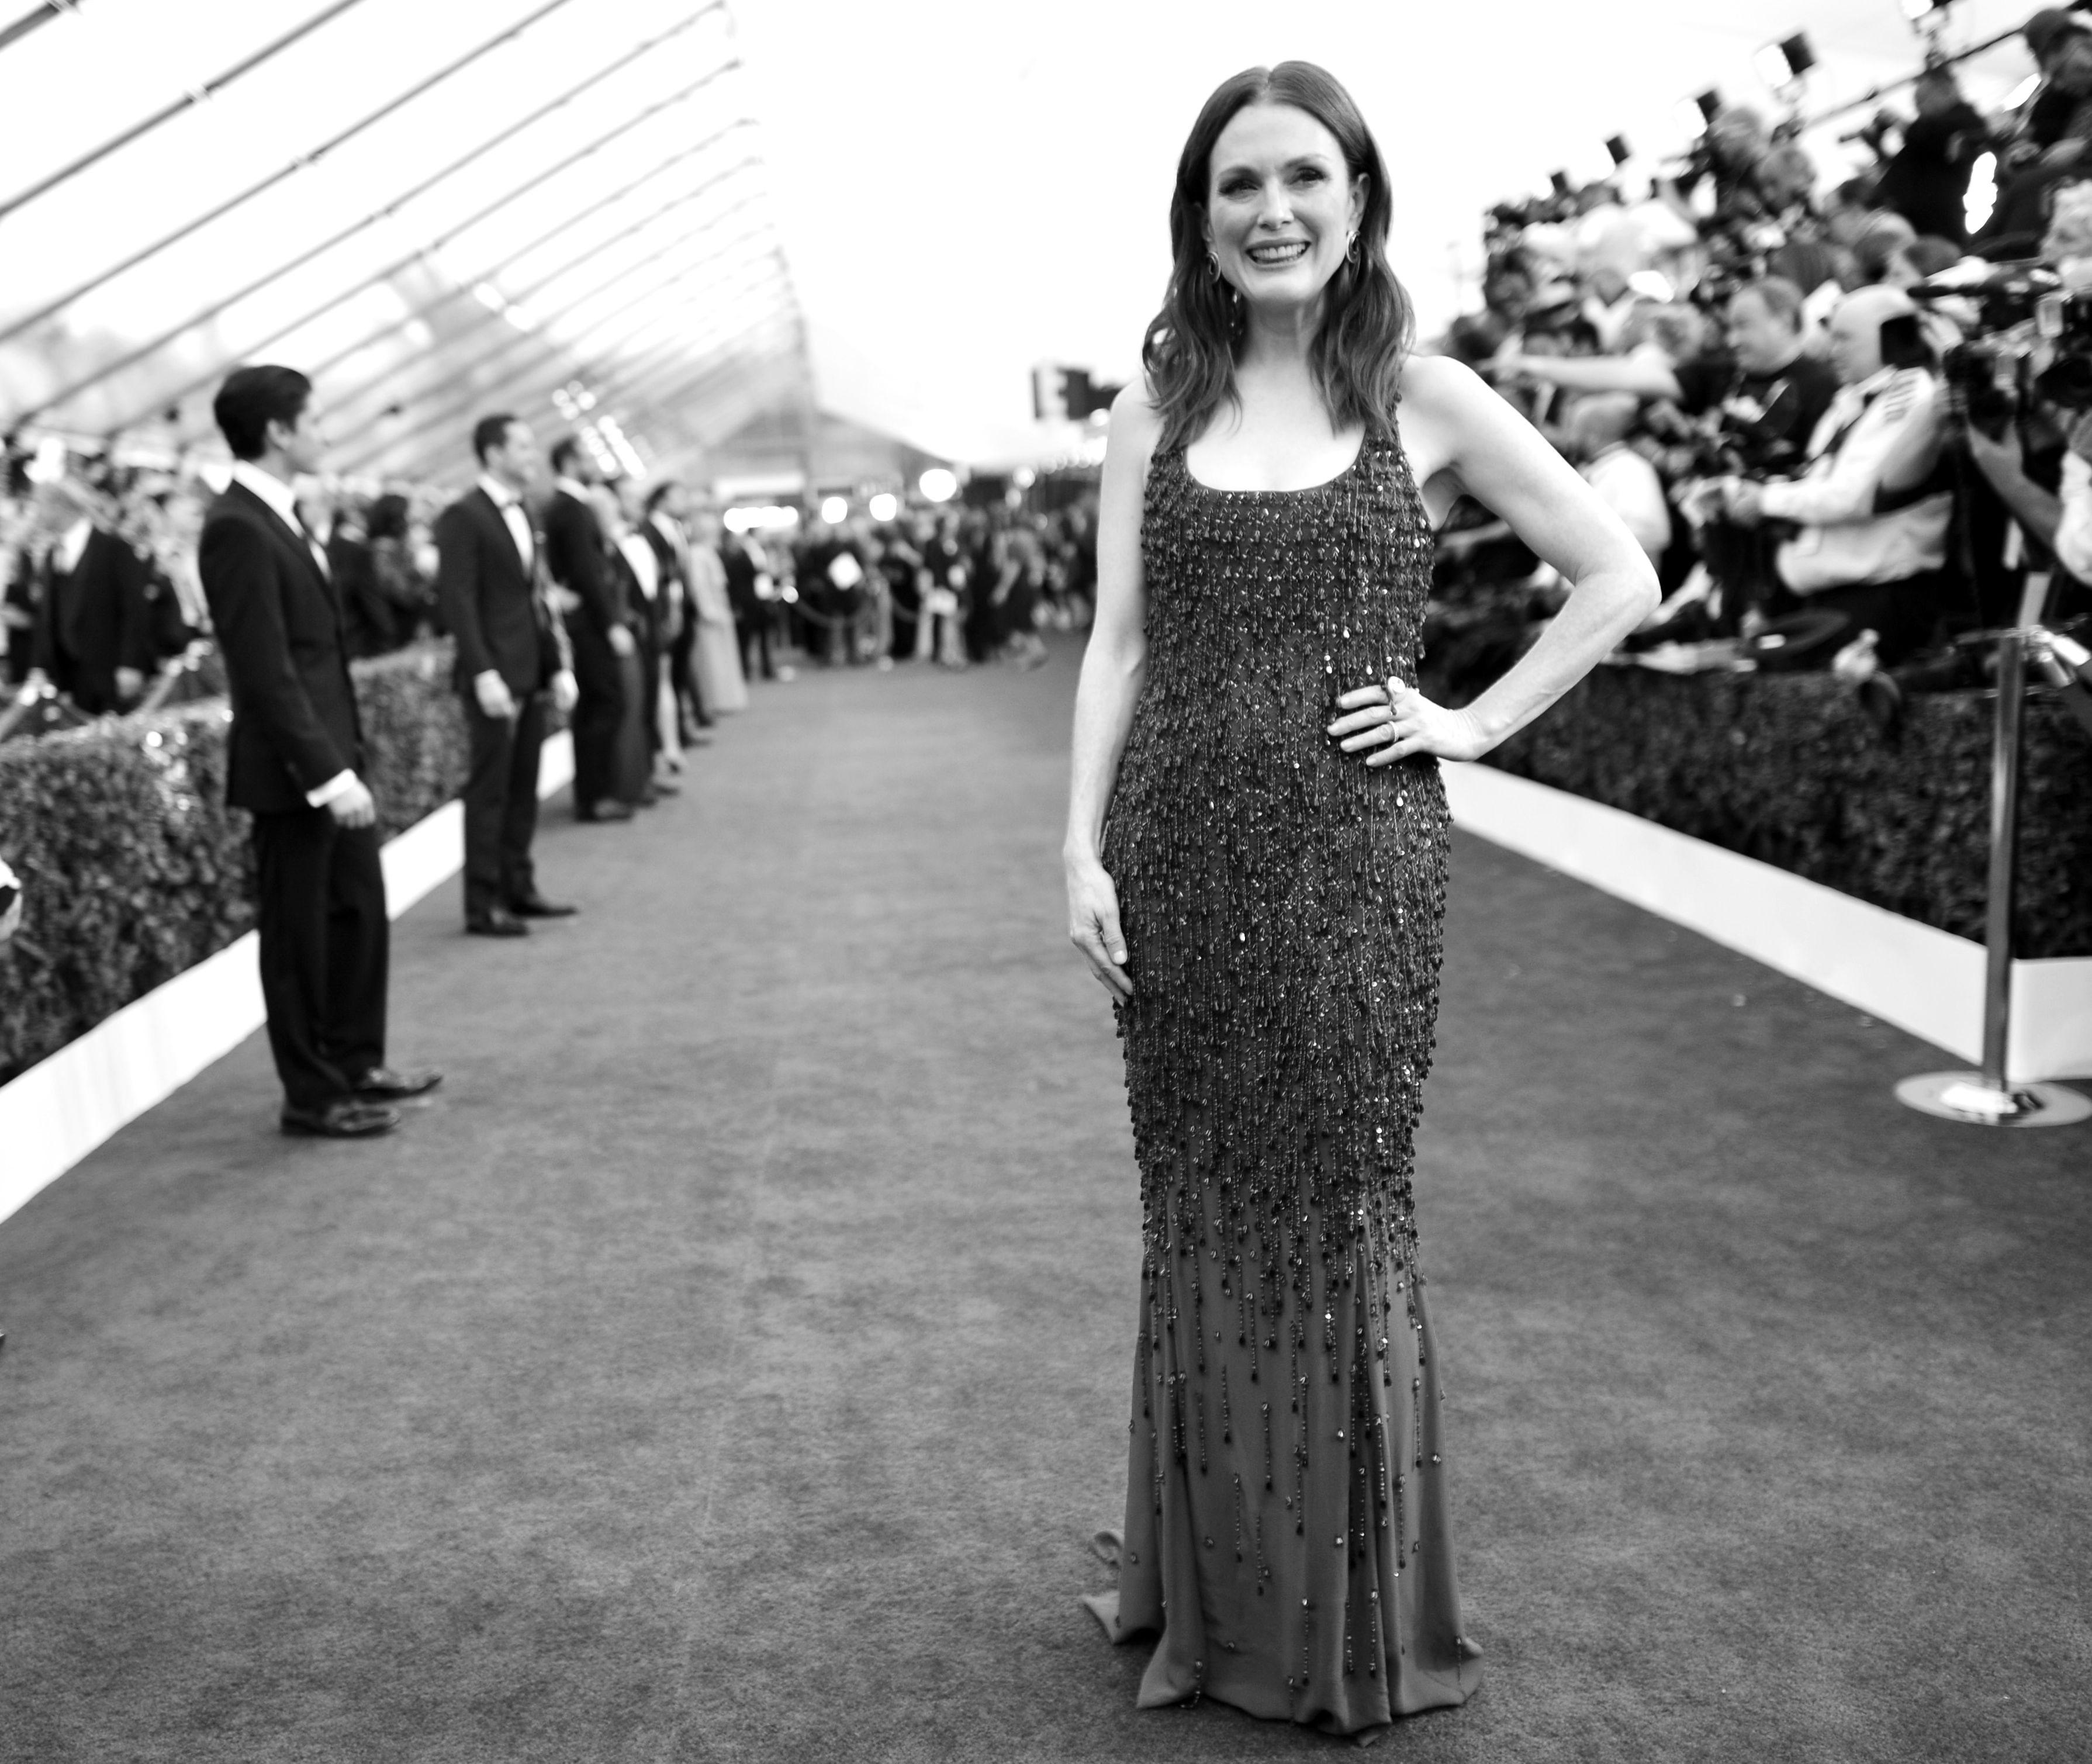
x: 1286, y: 1515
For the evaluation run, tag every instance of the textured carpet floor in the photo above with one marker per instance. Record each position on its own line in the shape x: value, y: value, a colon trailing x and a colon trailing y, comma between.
x: 729, y: 1361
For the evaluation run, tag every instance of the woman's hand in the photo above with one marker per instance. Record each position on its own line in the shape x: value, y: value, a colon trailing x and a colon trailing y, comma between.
x: 1093, y: 924
x: 1396, y: 721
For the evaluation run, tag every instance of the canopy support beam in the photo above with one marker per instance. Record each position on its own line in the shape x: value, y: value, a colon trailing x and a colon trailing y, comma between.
x: 139, y: 353
x: 189, y: 100
x: 102, y: 278
x: 401, y: 264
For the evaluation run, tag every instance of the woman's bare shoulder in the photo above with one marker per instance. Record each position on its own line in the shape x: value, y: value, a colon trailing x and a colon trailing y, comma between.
x: 1135, y: 415
x: 1135, y: 428
x: 1436, y: 385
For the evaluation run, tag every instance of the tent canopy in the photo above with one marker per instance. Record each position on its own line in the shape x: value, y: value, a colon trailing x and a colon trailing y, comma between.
x: 691, y: 218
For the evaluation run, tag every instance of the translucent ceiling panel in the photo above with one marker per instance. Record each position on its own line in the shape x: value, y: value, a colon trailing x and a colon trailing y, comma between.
x: 414, y: 200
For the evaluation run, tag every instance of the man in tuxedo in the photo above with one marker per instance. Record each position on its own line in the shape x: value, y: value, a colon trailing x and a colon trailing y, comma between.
x: 600, y: 627
x: 93, y: 634
x: 512, y: 657
x: 296, y: 755
x: 667, y: 508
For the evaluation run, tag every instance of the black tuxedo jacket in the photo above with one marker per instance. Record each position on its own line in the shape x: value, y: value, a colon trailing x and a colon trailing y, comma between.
x: 94, y: 621
x: 495, y: 608
x: 742, y: 570
x: 578, y: 561
x: 279, y: 629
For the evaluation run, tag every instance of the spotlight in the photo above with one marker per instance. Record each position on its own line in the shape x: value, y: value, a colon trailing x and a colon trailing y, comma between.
x: 1781, y: 64
x: 1694, y: 114
x: 835, y: 510
x: 884, y: 507
x: 938, y: 485
x: 1616, y: 146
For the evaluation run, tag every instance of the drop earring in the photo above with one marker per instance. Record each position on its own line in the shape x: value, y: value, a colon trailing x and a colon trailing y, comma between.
x: 1351, y: 248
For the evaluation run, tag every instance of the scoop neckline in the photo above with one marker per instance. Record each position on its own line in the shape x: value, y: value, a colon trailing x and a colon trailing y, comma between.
x: 1184, y: 461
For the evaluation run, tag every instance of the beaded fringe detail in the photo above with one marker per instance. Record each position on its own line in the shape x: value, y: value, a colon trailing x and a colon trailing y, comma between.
x: 1286, y: 1529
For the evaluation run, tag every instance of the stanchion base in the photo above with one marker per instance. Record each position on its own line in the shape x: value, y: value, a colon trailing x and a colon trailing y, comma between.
x: 1966, y: 1096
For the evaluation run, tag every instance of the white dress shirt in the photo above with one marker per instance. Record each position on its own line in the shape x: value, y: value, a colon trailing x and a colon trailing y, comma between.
x: 513, y: 516
x: 282, y: 499
x: 1628, y: 485
x: 65, y: 555
x: 2073, y: 532
x: 1843, y: 542
x: 645, y: 564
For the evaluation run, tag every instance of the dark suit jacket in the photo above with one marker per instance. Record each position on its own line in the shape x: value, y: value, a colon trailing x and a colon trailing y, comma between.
x: 742, y: 570
x: 496, y: 610
x: 279, y: 629
x: 576, y: 560
x: 94, y: 621
x: 676, y: 611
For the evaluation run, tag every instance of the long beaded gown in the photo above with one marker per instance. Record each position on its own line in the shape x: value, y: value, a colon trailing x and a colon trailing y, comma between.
x: 1286, y: 1515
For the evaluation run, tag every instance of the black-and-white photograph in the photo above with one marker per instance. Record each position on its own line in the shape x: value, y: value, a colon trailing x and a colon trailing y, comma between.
x: 934, y: 883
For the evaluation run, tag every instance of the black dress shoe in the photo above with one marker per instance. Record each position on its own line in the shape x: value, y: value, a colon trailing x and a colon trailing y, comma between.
x: 666, y: 787
x: 605, y: 811
x: 350, y: 1118
x: 383, y: 1084
x: 496, y: 921
x: 537, y: 906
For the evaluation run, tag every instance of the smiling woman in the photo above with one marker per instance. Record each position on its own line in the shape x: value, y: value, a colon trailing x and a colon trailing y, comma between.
x: 1297, y: 211
x: 1256, y: 872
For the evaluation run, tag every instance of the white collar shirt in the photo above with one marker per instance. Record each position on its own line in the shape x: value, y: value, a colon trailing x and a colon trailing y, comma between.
x: 512, y: 516
x: 66, y: 554
x: 1628, y: 484
x: 1843, y: 541
x: 283, y: 500
x: 575, y: 488
x: 645, y: 564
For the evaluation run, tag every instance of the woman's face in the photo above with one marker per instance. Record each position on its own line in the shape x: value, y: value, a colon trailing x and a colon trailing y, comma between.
x: 1280, y: 210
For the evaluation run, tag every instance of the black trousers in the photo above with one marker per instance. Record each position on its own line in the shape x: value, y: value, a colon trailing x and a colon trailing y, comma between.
x: 753, y: 631
x: 501, y: 804
x: 599, y: 715
x: 326, y: 951
x: 632, y: 766
x: 683, y: 673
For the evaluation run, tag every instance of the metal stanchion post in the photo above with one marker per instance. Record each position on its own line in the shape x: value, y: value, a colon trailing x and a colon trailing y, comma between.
x: 1989, y: 1098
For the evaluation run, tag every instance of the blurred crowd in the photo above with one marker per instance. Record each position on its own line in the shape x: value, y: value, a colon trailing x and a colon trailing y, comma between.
x: 1843, y: 419
x: 957, y: 587
x: 100, y: 601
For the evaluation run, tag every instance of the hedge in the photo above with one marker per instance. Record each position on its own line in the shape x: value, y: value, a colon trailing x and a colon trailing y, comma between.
x: 133, y: 868
x: 1788, y: 768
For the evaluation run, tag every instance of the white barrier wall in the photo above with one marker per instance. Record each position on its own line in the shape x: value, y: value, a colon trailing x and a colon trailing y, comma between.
x: 62, y: 1108
x: 1926, y: 981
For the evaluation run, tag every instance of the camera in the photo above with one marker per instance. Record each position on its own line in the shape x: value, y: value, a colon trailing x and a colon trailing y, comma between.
x: 2032, y: 339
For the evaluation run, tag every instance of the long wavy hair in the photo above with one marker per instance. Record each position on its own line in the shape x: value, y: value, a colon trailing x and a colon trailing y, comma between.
x: 1367, y: 324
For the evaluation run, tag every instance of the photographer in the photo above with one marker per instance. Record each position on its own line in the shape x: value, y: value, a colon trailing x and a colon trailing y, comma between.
x: 2061, y: 520
x: 1880, y: 571
x: 1760, y: 397
x: 1926, y: 182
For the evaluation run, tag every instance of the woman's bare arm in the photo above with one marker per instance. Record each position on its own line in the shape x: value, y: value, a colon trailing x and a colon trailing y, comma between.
x: 1114, y: 667
x: 1465, y: 431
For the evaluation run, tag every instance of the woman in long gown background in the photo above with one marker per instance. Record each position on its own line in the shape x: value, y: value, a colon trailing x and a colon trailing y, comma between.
x: 717, y: 654
x: 1256, y: 863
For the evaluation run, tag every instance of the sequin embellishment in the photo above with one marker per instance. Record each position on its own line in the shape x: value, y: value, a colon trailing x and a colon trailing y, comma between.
x: 1282, y: 906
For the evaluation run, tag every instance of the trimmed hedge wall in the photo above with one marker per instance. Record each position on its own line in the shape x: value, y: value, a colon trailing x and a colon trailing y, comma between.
x: 1788, y: 768
x: 133, y: 868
